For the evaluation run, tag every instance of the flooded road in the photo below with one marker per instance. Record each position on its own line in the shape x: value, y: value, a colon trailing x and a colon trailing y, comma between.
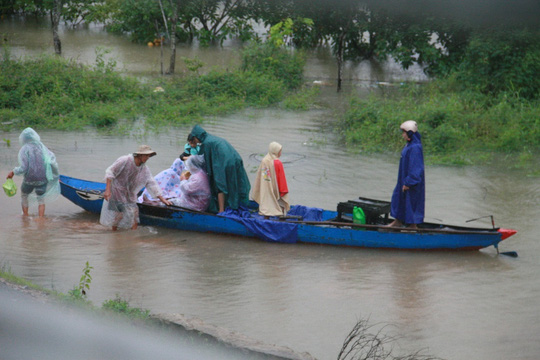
x: 456, y: 305
x: 473, y: 305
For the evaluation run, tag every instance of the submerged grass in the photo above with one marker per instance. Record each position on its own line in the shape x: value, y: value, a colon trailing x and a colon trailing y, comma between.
x: 457, y: 127
x: 9, y: 276
x: 51, y: 92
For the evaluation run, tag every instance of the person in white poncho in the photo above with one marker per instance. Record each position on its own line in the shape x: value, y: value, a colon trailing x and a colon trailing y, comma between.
x: 125, y: 178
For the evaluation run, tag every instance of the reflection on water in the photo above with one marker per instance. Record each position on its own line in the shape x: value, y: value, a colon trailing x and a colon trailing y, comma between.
x: 458, y: 305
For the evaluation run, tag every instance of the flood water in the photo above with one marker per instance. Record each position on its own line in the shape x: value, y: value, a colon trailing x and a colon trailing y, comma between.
x: 472, y: 305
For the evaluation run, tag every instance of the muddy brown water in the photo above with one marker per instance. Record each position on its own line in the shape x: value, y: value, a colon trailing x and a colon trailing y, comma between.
x: 472, y: 305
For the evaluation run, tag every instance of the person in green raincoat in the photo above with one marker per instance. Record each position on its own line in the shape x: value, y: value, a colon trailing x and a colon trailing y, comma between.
x: 229, y: 182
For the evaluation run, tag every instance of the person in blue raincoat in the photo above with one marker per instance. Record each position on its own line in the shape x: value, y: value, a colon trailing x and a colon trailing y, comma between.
x: 229, y: 182
x: 408, y: 199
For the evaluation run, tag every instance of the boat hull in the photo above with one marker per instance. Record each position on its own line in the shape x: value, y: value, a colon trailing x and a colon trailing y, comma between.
x: 86, y: 194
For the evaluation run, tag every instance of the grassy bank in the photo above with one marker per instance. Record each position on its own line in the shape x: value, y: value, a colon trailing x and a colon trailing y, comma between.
x: 460, y: 124
x: 51, y: 92
x: 457, y: 127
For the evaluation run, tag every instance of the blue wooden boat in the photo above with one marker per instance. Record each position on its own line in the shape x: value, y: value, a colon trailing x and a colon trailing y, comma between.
x: 331, y: 227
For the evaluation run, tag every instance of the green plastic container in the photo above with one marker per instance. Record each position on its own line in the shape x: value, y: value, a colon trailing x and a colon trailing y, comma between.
x: 358, y: 215
x: 9, y: 187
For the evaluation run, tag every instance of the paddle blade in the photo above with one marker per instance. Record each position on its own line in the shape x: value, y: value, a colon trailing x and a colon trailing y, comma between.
x: 506, y: 233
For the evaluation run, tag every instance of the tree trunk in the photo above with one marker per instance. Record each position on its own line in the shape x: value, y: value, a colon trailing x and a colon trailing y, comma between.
x: 55, y: 19
x: 174, y: 21
x: 339, y: 57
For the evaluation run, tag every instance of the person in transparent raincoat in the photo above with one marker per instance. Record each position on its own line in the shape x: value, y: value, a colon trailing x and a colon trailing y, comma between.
x: 169, y: 182
x: 195, y: 191
x: 37, y: 165
x: 125, y: 178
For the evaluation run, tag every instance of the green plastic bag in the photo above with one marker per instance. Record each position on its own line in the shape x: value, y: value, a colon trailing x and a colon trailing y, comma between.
x: 9, y: 187
x: 358, y: 215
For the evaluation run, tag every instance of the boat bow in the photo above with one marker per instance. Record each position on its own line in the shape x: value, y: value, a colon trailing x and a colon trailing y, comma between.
x: 506, y: 233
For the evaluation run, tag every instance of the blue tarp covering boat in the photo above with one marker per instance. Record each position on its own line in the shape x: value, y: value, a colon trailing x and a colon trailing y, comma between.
x: 302, y: 225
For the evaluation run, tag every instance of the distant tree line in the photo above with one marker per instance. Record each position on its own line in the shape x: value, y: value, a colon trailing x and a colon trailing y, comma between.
x: 492, y: 44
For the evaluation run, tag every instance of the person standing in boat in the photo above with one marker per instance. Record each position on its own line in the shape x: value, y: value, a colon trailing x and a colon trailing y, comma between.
x: 229, y: 182
x: 37, y: 165
x: 270, y: 189
x: 125, y: 178
x: 408, y: 199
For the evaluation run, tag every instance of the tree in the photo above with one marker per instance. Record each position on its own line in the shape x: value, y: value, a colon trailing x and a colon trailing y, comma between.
x: 56, y: 13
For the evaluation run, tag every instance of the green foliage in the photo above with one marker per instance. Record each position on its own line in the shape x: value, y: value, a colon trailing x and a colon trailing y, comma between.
x: 138, y: 18
x: 253, y: 88
x: 103, y: 116
x: 188, y: 100
x: 102, y: 65
x: 121, y: 306
x: 53, y: 92
x: 193, y: 65
x: 456, y: 127
x: 503, y: 62
x: 303, y: 99
x: 283, y: 31
x: 79, y: 292
x: 56, y: 93
x: 209, y: 21
x: 268, y: 59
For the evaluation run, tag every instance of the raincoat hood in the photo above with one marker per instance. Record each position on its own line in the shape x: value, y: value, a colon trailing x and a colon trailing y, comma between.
x: 177, y: 166
x: 199, y: 133
x: 273, y: 149
x: 415, y: 138
x: 195, y: 163
x: 29, y: 135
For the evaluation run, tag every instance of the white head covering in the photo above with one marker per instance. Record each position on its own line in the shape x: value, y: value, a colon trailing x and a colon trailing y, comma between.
x: 195, y: 163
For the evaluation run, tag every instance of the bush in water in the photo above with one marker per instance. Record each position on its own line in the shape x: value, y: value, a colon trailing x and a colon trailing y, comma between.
x: 457, y: 127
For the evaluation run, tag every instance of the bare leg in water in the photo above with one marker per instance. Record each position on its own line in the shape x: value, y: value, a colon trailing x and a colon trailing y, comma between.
x: 117, y: 220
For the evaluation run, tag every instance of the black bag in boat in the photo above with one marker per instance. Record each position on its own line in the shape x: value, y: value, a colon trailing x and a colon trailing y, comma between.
x: 376, y: 211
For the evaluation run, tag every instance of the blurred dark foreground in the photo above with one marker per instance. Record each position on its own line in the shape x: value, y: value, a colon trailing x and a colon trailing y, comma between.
x: 32, y: 326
